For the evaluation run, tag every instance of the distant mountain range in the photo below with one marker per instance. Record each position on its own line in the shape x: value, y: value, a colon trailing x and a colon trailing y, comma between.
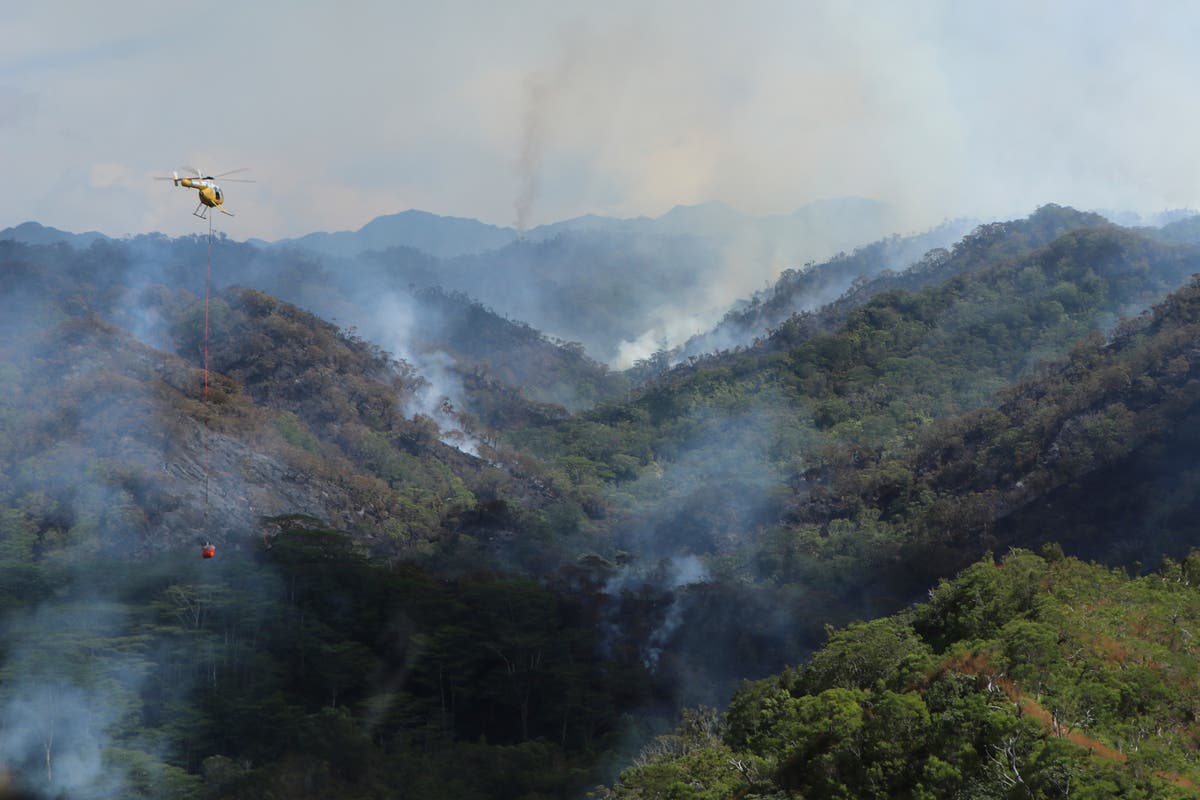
x: 815, y: 231
x: 35, y: 233
x: 444, y: 237
x: 841, y: 221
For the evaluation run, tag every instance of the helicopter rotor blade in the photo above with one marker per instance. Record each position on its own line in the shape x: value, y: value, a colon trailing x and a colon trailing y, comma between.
x: 232, y: 172
x: 195, y: 172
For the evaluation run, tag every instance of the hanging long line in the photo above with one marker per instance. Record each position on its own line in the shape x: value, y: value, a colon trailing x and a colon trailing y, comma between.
x: 207, y: 285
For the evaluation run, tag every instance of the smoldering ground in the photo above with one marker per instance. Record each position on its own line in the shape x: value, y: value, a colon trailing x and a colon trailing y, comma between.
x: 683, y: 528
x: 71, y: 675
x: 93, y: 656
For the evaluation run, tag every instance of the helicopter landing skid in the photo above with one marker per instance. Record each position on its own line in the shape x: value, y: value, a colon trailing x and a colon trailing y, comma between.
x: 201, y: 211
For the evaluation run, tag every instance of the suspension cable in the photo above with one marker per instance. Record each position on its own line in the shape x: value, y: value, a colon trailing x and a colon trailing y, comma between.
x: 207, y: 285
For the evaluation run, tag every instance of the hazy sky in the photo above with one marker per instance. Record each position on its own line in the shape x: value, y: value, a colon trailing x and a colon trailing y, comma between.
x: 539, y: 111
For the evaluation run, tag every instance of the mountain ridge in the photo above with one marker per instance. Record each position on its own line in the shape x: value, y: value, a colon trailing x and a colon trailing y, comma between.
x: 449, y: 237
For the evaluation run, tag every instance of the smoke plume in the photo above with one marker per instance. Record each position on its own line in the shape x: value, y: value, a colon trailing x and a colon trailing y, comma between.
x: 542, y: 90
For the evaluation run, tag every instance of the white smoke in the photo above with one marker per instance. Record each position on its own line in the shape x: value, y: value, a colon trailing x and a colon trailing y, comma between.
x: 673, y: 575
x: 62, y: 693
x: 392, y: 323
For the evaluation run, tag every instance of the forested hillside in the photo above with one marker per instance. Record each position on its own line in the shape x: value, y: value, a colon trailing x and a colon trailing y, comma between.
x: 105, y: 436
x: 1032, y: 677
x: 815, y: 285
x: 458, y: 556
x: 814, y: 463
x: 302, y: 668
x: 133, y: 668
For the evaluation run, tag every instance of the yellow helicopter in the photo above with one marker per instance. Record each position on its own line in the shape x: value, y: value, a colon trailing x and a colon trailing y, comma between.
x: 211, y: 195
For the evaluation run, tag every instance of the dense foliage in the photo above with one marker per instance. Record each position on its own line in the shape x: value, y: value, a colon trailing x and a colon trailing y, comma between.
x: 1035, y: 677
x: 303, y: 668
